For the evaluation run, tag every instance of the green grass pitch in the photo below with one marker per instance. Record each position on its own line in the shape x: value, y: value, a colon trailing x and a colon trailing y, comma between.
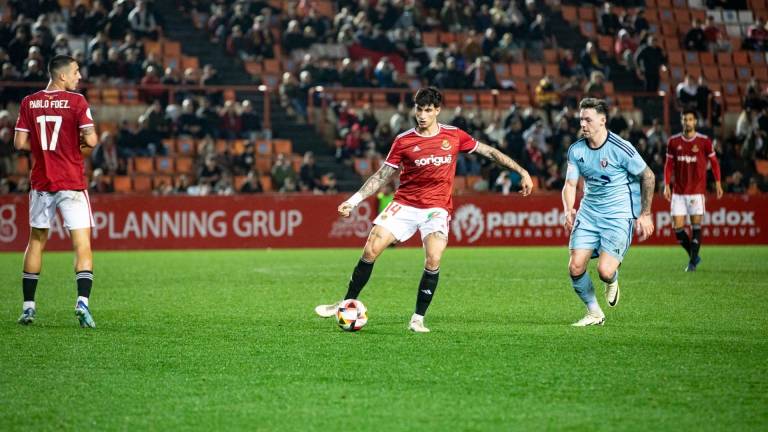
x: 227, y: 340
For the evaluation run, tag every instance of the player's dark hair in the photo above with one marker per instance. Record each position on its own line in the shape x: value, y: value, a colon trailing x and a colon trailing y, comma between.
x: 428, y: 96
x: 598, y: 105
x: 58, y: 62
x: 689, y: 111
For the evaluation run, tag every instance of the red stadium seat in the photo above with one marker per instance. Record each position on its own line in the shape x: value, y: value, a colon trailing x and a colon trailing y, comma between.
x: 22, y: 165
x: 185, y: 165
x: 164, y: 165
x: 143, y: 165
x: 282, y: 146
x: 142, y: 183
x: 122, y: 184
x: 266, y: 183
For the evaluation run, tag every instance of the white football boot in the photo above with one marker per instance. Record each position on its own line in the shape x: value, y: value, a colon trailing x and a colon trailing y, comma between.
x: 328, y: 310
x: 417, y: 325
x: 591, y: 318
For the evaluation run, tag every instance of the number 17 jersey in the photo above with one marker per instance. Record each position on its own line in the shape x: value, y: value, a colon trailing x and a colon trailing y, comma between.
x: 53, y: 119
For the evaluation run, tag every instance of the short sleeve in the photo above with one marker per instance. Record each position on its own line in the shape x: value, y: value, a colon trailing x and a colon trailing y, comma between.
x: 670, y: 149
x: 709, y: 148
x: 467, y: 144
x: 395, y: 155
x: 572, y: 172
x: 634, y: 164
x: 85, y: 119
x: 22, y: 122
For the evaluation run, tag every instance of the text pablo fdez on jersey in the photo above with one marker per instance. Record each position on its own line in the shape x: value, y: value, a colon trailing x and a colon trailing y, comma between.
x: 55, y: 103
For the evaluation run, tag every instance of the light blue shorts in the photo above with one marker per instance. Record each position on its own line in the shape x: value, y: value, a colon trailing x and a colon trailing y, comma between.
x: 610, y: 235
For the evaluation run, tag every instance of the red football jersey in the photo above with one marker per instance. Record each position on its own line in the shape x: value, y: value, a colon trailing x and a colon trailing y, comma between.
x: 688, y: 159
x: 53, y: 120
x: 429, y: 165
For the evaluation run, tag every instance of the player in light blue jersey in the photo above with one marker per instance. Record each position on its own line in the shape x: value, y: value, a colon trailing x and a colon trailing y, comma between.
x: 618, y: 189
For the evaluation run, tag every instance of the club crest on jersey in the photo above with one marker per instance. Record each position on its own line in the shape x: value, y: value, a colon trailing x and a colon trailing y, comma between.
x: 604, y: 163
x: 695, y: 148
x: 446, y: 145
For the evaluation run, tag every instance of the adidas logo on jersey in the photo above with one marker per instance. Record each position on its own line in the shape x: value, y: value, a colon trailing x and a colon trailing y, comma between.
x: 416, y: 149
x: 434, y: 160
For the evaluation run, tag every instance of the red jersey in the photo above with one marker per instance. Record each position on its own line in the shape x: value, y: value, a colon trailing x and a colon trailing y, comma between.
x: 686, y: 164
x: 429, y: 165
x: 53, y: 119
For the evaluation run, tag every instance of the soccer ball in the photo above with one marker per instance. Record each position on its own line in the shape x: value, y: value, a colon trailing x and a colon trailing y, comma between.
x: 351, y: 315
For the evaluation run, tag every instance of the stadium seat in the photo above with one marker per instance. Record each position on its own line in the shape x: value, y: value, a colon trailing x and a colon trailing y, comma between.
x: 171, y: 48
x: 263, y: 147
x: 185, y: 146
x: 282, y: 146
x: 728, y: 73
x: 675, y: 57
x: 535, y: 70
x: 170, y: 145
x: 221, y: 146
x: 762, y: 167
x: 587, y: 13
x: 185, y: 165
x: 363, y: 167
x: 587, y: 29
x: 472, y: 181
x: 711, y: 73
x: 724, y: 58
x: 238, y: 147
x: 744, y: 72
x: 693, y: 70
x: 189, y: 62
x: 122, y: 184
x: 110, y: 96
x: 266, y: 183
x: 143, y: 165
x: 430, y: 39
x: 691, y: 57
x: 706, y: 59
x: 254, y: 67
x: 741, y: 58
x: 757, y: 58
x: 263, y: 164
x: 517, y: 71
x: 142, y: 183
x: 161, y: 180
x: 164, y: 165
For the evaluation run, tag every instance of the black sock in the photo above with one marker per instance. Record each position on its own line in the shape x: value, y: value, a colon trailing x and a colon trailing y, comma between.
x: 360, y: 276
x: 427, y: 288
x: 84, y: 283
x: 682, y: 238
x: 695, y: 242
x: 29, y: 285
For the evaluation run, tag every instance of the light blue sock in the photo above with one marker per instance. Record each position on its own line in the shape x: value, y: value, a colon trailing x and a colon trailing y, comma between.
x: 582, y: 284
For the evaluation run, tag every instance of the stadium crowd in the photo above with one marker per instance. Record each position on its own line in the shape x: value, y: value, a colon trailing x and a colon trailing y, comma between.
x: 108, y: 39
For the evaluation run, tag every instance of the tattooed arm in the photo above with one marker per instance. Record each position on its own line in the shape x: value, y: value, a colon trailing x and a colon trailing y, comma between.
x: 647, y: 187
x: 503, y: 160
x: 373, y: 184
x: 88, y: 137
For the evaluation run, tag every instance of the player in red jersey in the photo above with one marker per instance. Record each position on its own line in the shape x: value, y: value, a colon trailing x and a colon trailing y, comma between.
x: 56, y: 125
x: 426, y: 158
x: 685, y: 182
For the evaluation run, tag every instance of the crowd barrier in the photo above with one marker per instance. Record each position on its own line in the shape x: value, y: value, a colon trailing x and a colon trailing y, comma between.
x: 310, y: 221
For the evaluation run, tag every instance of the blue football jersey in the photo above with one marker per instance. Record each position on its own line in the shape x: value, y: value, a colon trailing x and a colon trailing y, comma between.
x: 611, y: 177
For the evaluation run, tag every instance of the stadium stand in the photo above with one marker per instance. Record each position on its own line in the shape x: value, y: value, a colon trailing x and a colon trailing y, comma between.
x: 336, y: 79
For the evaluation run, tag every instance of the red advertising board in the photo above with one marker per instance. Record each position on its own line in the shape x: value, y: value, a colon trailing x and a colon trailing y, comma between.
x: 297, y: 221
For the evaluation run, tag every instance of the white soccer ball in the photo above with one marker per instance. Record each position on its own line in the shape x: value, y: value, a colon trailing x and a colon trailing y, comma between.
x: 351, y: 315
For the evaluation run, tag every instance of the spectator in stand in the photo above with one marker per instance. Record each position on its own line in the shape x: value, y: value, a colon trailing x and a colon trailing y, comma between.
x: 238, y: 44
x: 712, y: 33
x: 686, y: 94
x: 293, y: 37
x: 77, y: 25
x: 290, y: 95
x: 401, y: 120
x: 609, y: 21
x: 261, y: 40
x: 97, y: 18
x: 151, y: 78
x: 188, y: 123
x: 757, y: 36
x: 450, y: 77
x: 509, y: 50
x: 624, y: 48
x: 384, y: 73
x: 251, y: 121
x: 617, y: 123
x: 209, y: 173
x: 547, y: 96
x: 115, y: 67
x: 98, y: 69
x: 282, y: 170
x: 143, y: 22
x: 591, y: 60
x: 650, y: 61
x: 481, y: 75
x: 568, y: 65
x: 252, y: 183
x: 640, y: 23
x: 595, y: 87
x: 231, y: 124
x: 106, y: 156
x: 308, y: 178
x: 706, y: 105
x: 60, y: 46
x: 7, y: 151
x: 117, y: 21
x: 34, y: 72
x: 132, y: 67
x: 695, y: 39
x: 538, y: 36
x: 100, y: 183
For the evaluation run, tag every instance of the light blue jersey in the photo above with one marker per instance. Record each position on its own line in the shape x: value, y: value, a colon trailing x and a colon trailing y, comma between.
x: 611, y: 177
